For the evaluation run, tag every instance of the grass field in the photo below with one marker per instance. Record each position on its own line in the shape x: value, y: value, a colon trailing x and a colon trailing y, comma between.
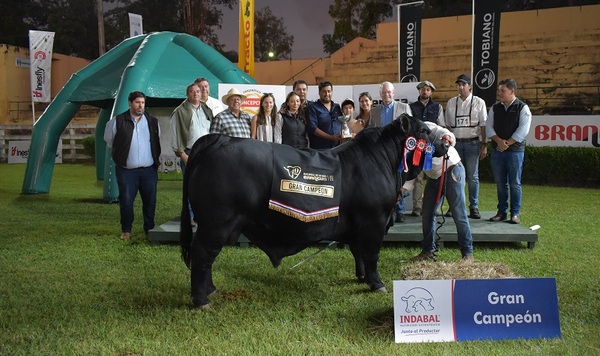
x: 68, y: 285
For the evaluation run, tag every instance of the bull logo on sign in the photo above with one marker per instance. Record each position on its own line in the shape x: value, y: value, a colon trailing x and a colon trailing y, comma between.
x: 418, y: 300
x: 293, y: 171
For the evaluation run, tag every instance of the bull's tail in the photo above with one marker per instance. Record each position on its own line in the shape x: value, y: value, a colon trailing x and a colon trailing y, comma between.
x: 186, y: 234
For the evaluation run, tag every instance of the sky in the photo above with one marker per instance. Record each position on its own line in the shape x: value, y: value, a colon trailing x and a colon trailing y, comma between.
x: 306, y: 20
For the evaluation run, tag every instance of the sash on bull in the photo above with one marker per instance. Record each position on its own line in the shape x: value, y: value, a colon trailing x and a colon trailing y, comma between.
x: 346, y: 194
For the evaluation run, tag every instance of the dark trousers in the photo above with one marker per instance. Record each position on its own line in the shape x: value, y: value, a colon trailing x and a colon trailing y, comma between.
x: 130, y: 181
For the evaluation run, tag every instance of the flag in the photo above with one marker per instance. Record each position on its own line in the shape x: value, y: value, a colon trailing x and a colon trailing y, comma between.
x: 409, y: 42
x: 246, y: 42
x: 486, y: 43
x: 135, y: 25
x: 40, y: 58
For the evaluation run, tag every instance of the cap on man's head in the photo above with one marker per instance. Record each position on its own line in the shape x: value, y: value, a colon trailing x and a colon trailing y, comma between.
x: 464, y: 79
x: 347, y: 101
x: 426, y: 83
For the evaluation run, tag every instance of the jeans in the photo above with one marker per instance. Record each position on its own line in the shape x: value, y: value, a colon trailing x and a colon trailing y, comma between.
x: 507, y: 167
x: 469, y: 156
x: 454, y: 191
x: 130, y: 181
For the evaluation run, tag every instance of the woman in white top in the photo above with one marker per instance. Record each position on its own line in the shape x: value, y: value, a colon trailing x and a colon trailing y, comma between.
x: 266, y: 125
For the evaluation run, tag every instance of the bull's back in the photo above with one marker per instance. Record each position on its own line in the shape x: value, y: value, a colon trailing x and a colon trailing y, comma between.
x: 228, y: 176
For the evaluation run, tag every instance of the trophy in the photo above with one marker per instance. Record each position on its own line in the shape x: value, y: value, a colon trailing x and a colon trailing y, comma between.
x: 344, y: 129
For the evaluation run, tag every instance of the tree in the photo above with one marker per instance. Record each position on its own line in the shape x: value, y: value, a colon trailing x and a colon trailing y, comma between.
x: 202, y: 17
x: 271, y: 37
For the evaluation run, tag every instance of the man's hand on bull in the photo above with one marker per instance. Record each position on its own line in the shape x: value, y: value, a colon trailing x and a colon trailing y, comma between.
x: 447, y: 139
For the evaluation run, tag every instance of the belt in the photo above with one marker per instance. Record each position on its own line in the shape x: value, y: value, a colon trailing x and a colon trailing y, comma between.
x: 467, y: 139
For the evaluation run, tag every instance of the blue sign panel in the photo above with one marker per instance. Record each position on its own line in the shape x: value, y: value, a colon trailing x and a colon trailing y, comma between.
x: 506, y: 309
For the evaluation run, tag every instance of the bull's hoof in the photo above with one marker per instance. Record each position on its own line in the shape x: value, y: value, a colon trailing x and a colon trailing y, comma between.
x: 379, y: 290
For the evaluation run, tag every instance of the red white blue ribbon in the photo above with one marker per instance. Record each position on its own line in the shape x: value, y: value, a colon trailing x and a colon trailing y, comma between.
x: 409, y: 145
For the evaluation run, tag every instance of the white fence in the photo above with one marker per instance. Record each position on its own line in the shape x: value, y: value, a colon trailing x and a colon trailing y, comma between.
x: 71, y: 139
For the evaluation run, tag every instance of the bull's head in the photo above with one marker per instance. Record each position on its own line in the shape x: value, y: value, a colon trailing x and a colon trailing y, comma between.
x: 420, y: 143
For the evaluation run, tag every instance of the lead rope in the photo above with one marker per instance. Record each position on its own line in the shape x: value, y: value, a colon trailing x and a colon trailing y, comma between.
x: 437, y: 201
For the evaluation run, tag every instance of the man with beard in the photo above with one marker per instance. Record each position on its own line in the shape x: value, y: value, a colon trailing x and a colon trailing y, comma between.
x: 323, y: 125
x: 427, y: 110
x: 466, y: 117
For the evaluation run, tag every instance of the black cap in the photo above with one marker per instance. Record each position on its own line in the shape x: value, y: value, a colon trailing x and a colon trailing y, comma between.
x: 463, y: 78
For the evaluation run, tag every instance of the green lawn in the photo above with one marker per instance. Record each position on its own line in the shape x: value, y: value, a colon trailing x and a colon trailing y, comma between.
x: 68, y: 285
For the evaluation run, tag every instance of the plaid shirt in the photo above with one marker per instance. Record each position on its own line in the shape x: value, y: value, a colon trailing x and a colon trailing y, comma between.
x: 228, y: 124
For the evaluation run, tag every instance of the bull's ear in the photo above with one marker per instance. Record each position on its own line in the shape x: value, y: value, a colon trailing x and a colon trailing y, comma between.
x: 405, y: 121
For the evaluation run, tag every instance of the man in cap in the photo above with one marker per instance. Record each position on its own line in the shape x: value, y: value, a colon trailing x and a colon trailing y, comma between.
x: 424, y: 109
x: 232, y: 121
x: 465, y: 117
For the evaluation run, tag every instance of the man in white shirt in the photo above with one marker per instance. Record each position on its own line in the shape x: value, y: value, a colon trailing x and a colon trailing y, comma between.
x: 214, y: 104
x: 466, y: 115
x: 449, y: 172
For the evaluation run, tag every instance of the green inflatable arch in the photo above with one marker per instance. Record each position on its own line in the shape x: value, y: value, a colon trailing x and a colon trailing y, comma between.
x: 160, y: 64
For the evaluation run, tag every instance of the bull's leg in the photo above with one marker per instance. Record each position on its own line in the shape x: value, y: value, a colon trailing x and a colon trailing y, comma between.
x: 203, y: 257
x: 372, y: 275
x: 359, y: 265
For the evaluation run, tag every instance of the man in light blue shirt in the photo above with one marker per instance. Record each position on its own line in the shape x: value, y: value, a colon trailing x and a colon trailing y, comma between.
x: 507, y: 126
x: 134, y: 137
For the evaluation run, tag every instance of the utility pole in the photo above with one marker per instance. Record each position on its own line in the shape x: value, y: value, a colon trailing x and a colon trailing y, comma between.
x: 100, y: 11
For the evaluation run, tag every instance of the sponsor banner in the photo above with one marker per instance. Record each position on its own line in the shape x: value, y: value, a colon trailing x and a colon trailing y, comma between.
x: 483, y: 309
x: 423, y: 311
x: 564, y: 131
x: 40, y: 58
x: 18, y: 151
x: 253, y: 94
x: 135, y: 25
x: 486, y: 43
x: 246, y: 37
x: 409, y: 41
x: 169, y: 163
x: 519, y: 308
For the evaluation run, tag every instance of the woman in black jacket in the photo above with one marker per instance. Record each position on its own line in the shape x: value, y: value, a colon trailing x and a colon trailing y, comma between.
x: 293, y: 132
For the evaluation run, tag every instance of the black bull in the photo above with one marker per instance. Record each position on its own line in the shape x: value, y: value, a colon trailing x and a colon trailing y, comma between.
x: 228, y: 183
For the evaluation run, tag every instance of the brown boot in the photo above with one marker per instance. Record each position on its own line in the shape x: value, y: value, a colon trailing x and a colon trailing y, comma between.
x: 423, y: 256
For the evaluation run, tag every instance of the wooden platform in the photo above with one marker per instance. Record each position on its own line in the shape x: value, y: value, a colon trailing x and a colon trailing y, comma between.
x: 408, y: 231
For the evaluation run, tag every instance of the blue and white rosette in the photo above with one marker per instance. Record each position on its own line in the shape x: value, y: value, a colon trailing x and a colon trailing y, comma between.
x: 429, y: 150
x: 409, y: 145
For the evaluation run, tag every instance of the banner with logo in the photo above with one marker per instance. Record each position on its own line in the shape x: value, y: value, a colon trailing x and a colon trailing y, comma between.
x: 486, y: 43
x: 135, y: 25
x: 246, y: 40
x: 18, y: 152
x: 40, y: 58
x: 409, y: 41
x: 479, y: 309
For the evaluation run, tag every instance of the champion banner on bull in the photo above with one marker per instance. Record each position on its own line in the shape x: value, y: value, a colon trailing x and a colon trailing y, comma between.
x: 306, y: 184
x: 246, y: 40
x: 409, y: 41
x: 40, y: 56
x: 486, y: 43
